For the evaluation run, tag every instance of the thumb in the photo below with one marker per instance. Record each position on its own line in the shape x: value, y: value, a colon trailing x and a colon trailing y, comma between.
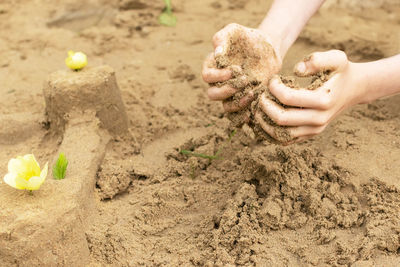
x: 321, y: 61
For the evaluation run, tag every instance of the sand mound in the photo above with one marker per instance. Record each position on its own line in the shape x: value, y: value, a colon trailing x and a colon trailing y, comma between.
x: 301, y: 193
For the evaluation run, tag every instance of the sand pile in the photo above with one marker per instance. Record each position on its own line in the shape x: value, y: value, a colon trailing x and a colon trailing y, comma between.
x: 302, y: 194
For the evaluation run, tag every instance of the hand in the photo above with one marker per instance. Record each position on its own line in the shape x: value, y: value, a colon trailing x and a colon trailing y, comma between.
x: 211, y: 74
x: 311, y: 111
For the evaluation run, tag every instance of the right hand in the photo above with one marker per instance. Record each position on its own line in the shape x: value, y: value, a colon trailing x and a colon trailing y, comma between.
x: 308, y: 112
x: 211, y: 74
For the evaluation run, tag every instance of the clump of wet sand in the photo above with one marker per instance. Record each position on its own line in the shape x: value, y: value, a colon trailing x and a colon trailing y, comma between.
x: 252, y: 67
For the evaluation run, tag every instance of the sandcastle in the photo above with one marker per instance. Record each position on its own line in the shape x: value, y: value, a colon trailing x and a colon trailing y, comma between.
x: 48, y: 227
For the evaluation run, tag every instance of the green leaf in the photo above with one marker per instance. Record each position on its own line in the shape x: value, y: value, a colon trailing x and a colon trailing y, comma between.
x: 166, y: 17
x: 168, y: 5
x: 199, y: 155
x: 60, y: 167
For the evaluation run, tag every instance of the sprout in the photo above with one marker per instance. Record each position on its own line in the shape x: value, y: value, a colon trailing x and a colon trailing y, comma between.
x: 166, y: 17
x: 60, y: 167
x: 76, y: 61
x: 24, y: 173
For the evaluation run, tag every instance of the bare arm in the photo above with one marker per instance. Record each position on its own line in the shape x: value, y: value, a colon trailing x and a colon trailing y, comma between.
x: 382, y: 78
x: 285, y: 20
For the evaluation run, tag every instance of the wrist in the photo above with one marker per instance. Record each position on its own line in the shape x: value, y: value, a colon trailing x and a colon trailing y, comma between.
x: 357, y: 79
x: 371, y: 78
x: 275, y: 39
x: 276, y: 42
x: 285, y: 20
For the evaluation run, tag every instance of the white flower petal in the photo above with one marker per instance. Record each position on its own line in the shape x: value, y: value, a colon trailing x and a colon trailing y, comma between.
x: 34, y: 183
x: 9, y: 179
x: 13, y: 180
x: 15, y: 165
x: 43, y: 174
x: 30, y: 158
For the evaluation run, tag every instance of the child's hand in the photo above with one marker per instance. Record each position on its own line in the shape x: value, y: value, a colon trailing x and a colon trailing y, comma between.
x: 312, y: 110
x: 211, y: 74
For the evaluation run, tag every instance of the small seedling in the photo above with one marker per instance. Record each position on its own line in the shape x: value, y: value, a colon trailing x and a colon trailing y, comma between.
x: 209, y: 157
x: 198, y: 155
x: 167, y: 18
x: 60, y: 167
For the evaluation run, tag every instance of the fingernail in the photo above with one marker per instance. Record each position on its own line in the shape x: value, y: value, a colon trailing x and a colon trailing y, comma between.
x: 301, y: 67
x: 218, y: 51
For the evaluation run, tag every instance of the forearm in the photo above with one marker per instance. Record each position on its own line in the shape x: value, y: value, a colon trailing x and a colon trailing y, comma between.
x: 381, y: 78
x: 285, y: 20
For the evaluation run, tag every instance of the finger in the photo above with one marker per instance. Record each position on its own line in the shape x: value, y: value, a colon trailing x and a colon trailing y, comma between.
x: 321, y: 61
x: 221, y: 93
x: 269, y: 129
x: 211, y: 74
x: 320, y: 98
x: 303, y: 131
x: 298, y: 134
x: 216, y: 75
x: 233, y: 106
x: 293, y: 116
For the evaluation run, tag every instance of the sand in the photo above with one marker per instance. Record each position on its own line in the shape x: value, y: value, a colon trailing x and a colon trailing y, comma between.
x: 135, y: 200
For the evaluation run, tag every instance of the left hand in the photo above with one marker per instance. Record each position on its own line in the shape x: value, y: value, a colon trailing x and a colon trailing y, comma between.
x: 270, y: 64
x: 311, y: 111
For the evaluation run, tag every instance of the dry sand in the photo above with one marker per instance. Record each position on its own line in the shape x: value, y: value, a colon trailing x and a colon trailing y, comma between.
x: 331, y: 201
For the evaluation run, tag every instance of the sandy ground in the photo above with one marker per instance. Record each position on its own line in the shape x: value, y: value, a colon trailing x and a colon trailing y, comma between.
x: 331, y: 201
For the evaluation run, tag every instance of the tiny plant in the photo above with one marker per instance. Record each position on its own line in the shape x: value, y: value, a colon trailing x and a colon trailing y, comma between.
x: 60, y: 167
x: 199, y: 155
x: 209, y: 157
x: 167, y: 17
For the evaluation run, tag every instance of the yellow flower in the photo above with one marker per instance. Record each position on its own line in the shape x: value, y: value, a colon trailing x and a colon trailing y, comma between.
x: 76, y: 61
x: 24, y: 173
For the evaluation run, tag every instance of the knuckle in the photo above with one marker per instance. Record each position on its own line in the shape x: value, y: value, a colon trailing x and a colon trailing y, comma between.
x: 343, y: 58
x: 204, y: 75
x: 341, y: 54
x: 216, y: 37
x: 231, y: 28
x: 326, y: 103
x: 232, y: 25
x: 315, y: 60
